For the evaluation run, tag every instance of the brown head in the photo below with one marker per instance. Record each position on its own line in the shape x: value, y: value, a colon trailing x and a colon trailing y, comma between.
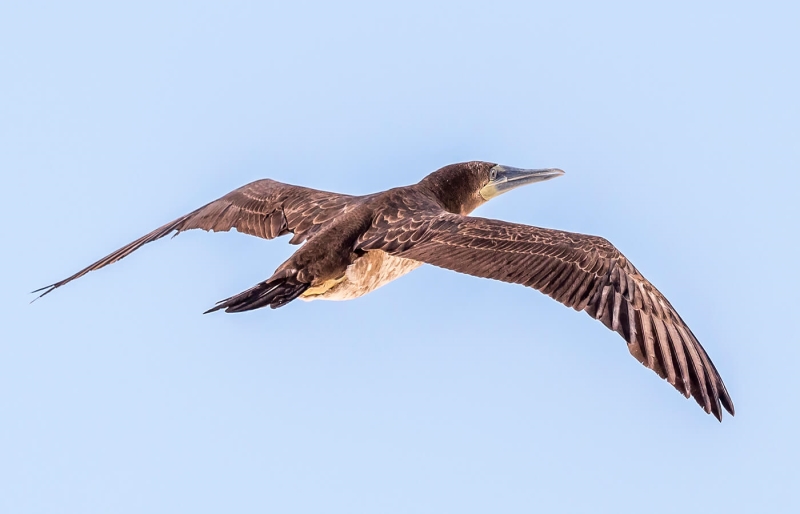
x: 462, y: 187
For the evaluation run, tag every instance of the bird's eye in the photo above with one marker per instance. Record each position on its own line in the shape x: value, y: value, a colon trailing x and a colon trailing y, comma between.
x: 493, y: 174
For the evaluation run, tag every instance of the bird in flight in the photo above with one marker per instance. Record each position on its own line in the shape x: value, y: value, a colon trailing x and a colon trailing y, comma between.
x: 356, y: 244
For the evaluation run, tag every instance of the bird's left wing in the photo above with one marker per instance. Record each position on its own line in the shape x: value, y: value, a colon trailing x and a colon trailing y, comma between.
x: 583, y: 272
x: 264, y: 208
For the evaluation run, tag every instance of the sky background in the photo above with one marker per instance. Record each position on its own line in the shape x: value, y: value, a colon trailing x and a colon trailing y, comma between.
x: 678, y: 126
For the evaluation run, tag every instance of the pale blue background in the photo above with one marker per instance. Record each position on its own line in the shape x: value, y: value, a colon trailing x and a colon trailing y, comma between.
x: 678, y: 128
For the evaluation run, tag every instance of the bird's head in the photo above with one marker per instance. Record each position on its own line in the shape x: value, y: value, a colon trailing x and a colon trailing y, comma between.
x: 464, y: 186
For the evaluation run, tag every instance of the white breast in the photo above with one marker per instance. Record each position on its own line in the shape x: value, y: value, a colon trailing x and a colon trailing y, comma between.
x: 367, y: 273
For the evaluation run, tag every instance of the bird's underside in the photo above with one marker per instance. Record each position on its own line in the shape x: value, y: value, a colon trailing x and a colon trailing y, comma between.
x: 355, y: 244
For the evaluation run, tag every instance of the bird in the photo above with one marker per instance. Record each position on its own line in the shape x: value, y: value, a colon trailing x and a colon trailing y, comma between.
x: 352, y: 245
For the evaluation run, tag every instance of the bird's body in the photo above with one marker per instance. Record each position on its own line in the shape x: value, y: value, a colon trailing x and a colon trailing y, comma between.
x: 355, y: 244
x: 367, y: 273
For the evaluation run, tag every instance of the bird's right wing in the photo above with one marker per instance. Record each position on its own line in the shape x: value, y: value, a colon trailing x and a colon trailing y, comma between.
x: 264, y: 208
x: 583, y: 272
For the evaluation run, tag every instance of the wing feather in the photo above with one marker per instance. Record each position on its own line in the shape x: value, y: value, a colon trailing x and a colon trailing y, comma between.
x: 583, y: 272
x: 264, y: 208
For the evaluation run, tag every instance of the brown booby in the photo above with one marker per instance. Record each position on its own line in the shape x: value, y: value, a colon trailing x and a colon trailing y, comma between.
x: 355, y: 244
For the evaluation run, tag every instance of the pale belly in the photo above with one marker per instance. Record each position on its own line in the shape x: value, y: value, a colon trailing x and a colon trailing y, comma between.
x: 367, y: 273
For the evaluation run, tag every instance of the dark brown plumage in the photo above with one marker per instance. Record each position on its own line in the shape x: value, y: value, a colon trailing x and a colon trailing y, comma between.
x: 354, y: 244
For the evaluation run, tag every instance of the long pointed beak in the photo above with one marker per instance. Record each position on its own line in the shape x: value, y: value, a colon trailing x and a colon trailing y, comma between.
x: 506, y: 178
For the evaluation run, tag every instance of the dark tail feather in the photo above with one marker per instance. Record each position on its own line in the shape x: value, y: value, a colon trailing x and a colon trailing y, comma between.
x: 275, y: 292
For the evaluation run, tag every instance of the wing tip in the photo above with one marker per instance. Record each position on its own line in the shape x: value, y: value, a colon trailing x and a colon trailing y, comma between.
x: 727, y: 405
x: 47, y: 290
x: 709, y: 404
x: 726, y: 400
x: 719, y: 403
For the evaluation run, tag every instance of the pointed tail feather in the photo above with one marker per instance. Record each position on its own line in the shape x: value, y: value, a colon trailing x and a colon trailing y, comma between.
x: 275, y: 292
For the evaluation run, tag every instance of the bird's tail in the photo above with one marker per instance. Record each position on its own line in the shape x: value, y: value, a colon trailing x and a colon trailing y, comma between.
x: 276, y: 292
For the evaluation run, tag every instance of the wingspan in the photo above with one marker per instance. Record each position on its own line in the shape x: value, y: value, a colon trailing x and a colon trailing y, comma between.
x: 583, y: 272
x: 264, y: 208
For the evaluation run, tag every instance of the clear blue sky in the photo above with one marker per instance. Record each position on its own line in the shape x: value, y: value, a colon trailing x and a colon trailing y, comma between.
x: 678, y: 126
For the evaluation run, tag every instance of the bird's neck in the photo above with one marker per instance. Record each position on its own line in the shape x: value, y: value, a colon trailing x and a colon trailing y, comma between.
x: 451, y: 194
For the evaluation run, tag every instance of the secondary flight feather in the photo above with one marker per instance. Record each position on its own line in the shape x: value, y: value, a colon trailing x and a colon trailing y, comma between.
x: 355, y: 244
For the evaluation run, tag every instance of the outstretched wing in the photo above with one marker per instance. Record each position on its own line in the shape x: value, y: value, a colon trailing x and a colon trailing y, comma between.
x: 583, y: 272
x: 264, y: 208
